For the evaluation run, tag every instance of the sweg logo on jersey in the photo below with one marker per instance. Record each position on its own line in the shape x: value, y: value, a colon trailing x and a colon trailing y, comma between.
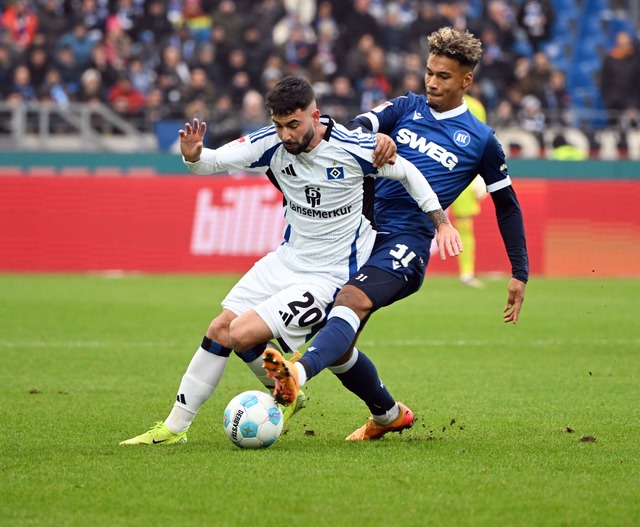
x: 431, y: 149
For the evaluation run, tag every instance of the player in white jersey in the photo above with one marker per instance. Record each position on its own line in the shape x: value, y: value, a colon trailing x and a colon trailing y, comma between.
x: 320, y: 167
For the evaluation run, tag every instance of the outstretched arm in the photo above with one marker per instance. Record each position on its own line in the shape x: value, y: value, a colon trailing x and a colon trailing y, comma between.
x: 192, y: 140
x: 511, y: 225
x: 232, y: 156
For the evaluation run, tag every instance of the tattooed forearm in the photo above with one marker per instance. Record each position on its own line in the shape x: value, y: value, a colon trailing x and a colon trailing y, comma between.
x: 438, y: 217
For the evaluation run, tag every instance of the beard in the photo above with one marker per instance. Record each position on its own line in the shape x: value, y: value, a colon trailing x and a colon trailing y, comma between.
x: 299, y: 147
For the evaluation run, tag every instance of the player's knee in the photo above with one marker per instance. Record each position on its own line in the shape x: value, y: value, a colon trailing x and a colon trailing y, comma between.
x: 355, y: 299
x: 239, y: 337
x: 218, y: 331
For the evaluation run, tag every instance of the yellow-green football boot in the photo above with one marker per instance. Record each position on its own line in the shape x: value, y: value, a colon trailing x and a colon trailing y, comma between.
x: 158, y: 435
x: 289, y: 411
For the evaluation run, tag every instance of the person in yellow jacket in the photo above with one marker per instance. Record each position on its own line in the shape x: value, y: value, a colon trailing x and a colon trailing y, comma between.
x: 465, y: 207
x: 563, y: 151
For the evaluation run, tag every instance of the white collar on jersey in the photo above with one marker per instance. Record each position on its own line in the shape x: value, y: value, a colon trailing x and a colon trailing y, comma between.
x: 451, y: 113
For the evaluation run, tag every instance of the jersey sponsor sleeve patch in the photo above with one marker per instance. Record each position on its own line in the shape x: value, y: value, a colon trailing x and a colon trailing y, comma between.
x: 382, y: 106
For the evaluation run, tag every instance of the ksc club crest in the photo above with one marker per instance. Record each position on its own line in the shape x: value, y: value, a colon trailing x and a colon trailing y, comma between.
x: 461, y: 138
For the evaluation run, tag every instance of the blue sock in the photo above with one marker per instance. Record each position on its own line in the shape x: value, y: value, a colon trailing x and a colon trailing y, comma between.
x: 214, y: 347
x: 360, y: 376
x: 252, y: 353
x: 332, y: 342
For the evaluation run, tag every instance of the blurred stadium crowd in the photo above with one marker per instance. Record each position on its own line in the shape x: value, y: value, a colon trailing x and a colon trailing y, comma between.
x: 544, y: 63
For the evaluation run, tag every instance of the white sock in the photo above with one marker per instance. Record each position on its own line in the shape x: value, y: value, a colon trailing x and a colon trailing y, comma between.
x: 302, y: 373
x: 198, y: 383
x: 347, y: 314
x: 343, y: 368
x: 261, y: 374
x: 387, y: 417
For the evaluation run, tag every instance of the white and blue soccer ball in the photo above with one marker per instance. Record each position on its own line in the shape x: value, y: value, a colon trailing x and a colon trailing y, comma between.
x: 253, y: 419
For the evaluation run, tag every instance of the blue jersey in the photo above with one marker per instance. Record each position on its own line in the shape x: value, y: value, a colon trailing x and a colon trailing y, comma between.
x: 449, y: 148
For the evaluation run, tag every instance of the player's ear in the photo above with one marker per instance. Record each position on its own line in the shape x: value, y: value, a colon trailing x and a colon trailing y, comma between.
x: 467, y: 80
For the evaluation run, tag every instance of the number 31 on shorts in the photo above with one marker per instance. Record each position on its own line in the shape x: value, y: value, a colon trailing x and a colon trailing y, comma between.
x: 401, y: 255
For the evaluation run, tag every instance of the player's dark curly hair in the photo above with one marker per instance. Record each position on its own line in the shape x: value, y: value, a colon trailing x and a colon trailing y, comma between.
x: 457, y: 45
x: 290, y: 94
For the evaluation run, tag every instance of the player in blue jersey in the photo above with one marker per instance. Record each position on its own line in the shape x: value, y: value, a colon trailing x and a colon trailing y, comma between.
x: 439, y: 135
x: 321, y: 168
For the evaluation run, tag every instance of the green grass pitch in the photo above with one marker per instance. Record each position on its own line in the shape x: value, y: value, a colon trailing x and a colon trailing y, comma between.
x: 536, y: 424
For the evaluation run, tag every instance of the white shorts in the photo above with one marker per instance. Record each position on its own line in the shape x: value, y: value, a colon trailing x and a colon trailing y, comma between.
x: 291, y: 303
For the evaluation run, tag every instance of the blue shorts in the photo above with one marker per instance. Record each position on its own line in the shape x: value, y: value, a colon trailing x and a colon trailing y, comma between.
x: 395, y: 269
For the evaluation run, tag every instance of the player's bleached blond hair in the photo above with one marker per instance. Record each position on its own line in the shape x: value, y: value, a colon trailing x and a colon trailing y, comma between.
x: 457, y: 45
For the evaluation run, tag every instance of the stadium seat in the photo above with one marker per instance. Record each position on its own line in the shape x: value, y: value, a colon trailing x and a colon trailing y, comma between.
x: 588, y: 108
x: 563, y: 7
x: 522, y: 48
x: 591, y: 25
x: 560, y: 52
x: 591, y: 49
x: 583, y: 74
x: 595, y: 6
x: 565, y: 26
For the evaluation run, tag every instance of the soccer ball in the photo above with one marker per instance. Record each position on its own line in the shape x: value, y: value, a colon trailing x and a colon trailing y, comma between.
x: 253, y: 419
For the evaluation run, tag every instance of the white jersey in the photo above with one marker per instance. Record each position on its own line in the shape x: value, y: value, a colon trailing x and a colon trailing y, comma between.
x: 326, y: 230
